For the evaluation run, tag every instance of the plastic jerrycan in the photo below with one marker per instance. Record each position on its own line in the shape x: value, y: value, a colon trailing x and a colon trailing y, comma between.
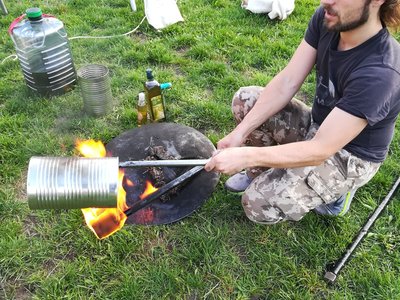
x: 43, y: 51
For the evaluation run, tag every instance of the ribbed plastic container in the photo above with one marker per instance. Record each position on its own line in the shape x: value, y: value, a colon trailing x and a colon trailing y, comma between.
x: 72, y: 182
x: 95, y: 84
x: 44, y: 54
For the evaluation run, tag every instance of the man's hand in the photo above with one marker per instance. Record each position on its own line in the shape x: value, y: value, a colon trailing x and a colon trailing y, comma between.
x: 233, y: 139
x: 228, y: 161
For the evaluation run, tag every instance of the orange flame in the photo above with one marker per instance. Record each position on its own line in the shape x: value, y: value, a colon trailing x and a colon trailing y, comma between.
x: 103, y: 221
x: 91, y: 148
x: 150, y: 189
x: 106, y: 221
x: 129, y: 182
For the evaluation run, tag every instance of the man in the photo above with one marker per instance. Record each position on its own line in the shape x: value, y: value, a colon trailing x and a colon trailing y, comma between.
x: 300, y: 159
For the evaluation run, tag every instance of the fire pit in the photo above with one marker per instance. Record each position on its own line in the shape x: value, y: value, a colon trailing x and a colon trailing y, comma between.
x: 155, y: 176
x: 177, y: 142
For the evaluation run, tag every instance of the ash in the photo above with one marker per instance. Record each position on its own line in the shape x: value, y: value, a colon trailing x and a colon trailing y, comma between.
x: 161, y: 175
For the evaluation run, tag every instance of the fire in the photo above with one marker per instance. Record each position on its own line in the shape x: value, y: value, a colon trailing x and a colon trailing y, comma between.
x: 106, y: 221
x: 149, y: 190
x: 103, y: 221
x: 91, y: 148
x: 129, y: 182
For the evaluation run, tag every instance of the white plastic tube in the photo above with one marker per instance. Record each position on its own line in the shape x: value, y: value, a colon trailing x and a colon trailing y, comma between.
x: 133, y: 5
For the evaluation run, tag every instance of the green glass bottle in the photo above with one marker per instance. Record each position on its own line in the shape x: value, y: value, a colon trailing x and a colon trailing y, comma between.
x: 154, y: 98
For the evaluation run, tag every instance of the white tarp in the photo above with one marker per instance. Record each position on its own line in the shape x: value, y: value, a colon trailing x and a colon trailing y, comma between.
x: 162, y: 13
x: 280, y: 9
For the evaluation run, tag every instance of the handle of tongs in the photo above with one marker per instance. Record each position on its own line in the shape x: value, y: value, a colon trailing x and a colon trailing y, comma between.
x: 162, y: 190
x: 164, y: 163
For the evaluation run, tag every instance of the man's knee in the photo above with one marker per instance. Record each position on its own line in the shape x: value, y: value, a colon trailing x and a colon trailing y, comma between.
x: 244, y: 100
x: 262, y: 214
x: 271, y: 208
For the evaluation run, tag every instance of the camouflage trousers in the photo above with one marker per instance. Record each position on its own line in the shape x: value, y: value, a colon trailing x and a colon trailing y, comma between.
x: 288, y: 194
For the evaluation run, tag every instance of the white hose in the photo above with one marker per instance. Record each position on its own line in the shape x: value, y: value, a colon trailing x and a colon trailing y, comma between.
x: 87, y: 37
x: 108, y: 36
x: 13, y: 56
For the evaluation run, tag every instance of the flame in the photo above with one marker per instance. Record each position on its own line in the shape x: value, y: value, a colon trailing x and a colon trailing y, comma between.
x: 149, y: 190
x: 106, y: 221
x: 103, y: 221
x: 129, y: 182
x: 91, y: 148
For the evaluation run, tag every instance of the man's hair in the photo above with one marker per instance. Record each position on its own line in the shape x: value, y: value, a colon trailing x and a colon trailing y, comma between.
x: 390, y: 14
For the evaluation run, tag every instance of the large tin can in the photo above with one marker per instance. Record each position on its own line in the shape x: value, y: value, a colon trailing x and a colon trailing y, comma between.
x: 72, y: 182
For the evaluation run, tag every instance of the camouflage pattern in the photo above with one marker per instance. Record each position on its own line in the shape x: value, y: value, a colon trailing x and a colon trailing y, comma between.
x: 288, y: 194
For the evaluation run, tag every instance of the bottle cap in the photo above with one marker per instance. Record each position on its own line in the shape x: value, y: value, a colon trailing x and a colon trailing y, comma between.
x: 165, y: 85
x: 34, y: 13
x: 149, y: 74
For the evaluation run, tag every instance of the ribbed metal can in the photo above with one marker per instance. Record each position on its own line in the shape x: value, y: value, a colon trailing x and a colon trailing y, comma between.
x: 72, y: 182
x: 95, y: 84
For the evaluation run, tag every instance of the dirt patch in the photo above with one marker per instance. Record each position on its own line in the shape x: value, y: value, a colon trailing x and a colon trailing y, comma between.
x: 15, y: 290
x: 178, y: 71
x: 29, y: 225
x: 158, y: 241
x: 209, y: 92
x: 138, y: 36
x: 182, y: 50
x: 20, y: 187
x: 23, y: 293
x: 241, y: 253
x: 52, y: 264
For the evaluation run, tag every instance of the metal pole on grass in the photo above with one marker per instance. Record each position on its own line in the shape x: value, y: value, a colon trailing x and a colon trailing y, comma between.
x: 331, y: 274
x: 3, y: 7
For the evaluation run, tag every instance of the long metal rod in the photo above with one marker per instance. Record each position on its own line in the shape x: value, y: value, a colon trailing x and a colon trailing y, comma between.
x: 331, y: 275
x: 162, y: 190
x: 3, y: 7
x: 164, y: 163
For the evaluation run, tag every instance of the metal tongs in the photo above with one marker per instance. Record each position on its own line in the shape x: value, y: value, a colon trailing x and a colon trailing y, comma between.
x: 164, y: 163
x: 198, y: 165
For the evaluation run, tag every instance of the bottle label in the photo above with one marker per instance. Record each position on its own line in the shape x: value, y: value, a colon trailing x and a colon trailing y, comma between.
x: 158, y: 108
x: 142, y: 117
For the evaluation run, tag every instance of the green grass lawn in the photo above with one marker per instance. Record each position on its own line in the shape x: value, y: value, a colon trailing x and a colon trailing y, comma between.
x: 215, y: 253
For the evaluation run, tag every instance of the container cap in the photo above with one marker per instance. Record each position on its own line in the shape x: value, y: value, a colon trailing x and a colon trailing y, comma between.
x: 165, y: 85
x: 33, y: 13
x: 149, y: 74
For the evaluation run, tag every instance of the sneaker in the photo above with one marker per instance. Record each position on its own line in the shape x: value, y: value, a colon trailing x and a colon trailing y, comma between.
x: 238, y: 182
x: 337, y: 208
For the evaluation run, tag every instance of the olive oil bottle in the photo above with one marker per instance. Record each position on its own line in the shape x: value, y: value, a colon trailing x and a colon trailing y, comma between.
x: 154, y: 98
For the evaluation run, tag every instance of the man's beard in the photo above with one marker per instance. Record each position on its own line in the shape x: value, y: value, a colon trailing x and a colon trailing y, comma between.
x: 341, y: 27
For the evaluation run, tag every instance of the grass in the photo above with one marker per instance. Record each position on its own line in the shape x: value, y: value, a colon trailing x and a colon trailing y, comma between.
x: 215, y: 253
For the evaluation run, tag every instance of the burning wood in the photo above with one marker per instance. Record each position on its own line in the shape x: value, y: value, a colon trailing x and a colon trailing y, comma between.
x: 161, y: 175
x: 162, y: 190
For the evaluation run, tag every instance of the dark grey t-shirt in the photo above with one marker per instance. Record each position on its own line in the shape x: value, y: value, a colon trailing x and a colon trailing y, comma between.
x: 363, y: 81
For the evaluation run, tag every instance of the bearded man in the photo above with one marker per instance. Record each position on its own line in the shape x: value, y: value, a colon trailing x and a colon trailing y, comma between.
x: 297, y: 159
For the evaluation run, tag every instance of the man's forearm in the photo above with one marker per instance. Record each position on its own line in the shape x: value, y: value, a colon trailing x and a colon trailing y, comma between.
x: 292, y: 155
